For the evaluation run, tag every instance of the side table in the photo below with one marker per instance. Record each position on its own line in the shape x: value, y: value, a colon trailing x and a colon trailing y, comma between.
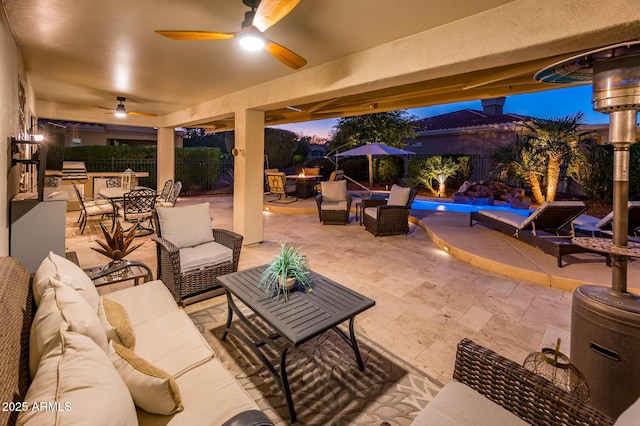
x: 118, y: 272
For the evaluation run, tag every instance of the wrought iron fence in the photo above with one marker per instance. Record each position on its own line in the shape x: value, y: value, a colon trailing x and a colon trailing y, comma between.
x: 198, y: 177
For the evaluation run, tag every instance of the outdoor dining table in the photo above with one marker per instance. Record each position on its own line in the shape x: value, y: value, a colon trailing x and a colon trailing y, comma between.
x: 115, y: 195
x: 305, y: 184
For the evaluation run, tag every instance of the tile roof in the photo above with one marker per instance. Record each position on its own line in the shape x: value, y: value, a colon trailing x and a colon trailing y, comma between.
x: 466, y: 118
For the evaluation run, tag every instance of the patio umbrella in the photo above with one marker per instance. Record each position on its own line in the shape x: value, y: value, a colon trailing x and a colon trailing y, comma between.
x: 372, y: 149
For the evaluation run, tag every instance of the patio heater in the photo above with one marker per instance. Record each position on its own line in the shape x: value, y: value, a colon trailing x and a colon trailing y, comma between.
x: 605, y: 322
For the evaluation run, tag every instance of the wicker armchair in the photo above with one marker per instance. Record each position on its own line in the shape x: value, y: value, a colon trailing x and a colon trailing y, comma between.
x: 389, y: 217
x: 334, y: 203
x: 190, y: 257
x: 528, y: 395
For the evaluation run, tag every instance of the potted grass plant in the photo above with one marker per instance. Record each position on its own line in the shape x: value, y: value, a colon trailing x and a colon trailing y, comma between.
x: 288, y: 269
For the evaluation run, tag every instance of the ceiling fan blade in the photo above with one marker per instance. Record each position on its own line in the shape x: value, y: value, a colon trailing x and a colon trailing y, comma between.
x: 195, y: 35
x: 271, y: 11
x: 285, y: 55
x: 142, y: 114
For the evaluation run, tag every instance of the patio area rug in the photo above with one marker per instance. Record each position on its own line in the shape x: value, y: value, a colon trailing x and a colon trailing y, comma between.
x: 326, y: 385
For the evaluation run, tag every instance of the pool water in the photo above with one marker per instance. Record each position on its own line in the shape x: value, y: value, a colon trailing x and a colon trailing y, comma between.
x: 461, y: 208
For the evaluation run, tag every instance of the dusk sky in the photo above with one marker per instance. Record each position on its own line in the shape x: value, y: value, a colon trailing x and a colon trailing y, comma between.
x: 548, y: 104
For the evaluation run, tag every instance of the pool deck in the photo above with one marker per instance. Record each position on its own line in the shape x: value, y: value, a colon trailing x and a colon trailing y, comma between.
x: 492, y: 250
x: 426, y: 299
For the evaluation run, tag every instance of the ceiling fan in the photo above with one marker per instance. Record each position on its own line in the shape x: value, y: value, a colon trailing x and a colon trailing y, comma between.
x: 263, y: 14
x: 121, y: 111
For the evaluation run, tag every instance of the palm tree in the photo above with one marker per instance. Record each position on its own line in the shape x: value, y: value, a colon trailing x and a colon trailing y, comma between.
x: 556, y: 139
x: 521, y: 159
x: 438, y: 169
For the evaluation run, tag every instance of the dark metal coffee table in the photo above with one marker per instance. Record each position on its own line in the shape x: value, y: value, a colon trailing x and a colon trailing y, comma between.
x: 295, y: 321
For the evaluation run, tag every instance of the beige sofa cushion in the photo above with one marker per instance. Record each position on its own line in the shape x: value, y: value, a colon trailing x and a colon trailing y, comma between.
x: 186, y: 226
x: 61, y: 306
x: 79, y: 377
x: 457, y: 404
x: 204, y: 255
x: 157, y: 301
x: 118, y: 319
x: 172, y: 342
x: 58, y: 267
x: 165, y: 335
x: 200, y: 388
x: 152, y: 389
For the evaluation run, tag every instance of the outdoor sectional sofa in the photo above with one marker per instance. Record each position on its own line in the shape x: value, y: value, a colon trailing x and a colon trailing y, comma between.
x: 79, y: 358
x: 488, y: 389
x: 547, y: 228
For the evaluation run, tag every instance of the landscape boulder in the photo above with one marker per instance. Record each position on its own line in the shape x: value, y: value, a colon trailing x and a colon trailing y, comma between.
x: 487, y: 193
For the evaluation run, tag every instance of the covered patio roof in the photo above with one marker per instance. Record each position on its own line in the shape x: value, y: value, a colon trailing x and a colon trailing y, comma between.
x: 363, y: 56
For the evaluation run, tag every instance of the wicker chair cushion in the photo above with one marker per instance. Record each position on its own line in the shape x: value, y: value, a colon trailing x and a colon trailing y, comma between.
x: 186, y: 226
x: 630, y: 416
x: 80, y: 378
x: 152, y: 389
x: 333, y: 205
x: 61, y: 306
x: 311, y: 171
x: 398, y: 196
x: 457, y: 404
x: 371, y: 212
x: 334, y: 190
x: 204, y: 255
x: 58, y: 267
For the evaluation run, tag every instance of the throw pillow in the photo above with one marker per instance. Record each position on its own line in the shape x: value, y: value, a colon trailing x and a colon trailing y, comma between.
x: 61, y: 306
x: 186, y: 226
x: 117, y: 321
x: 152, y: 389
x: 64, y: 270
x: 398, y: 196
x: 77, y: 385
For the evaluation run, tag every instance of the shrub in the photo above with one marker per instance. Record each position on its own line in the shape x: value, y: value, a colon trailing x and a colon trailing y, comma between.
x: 389, y: 169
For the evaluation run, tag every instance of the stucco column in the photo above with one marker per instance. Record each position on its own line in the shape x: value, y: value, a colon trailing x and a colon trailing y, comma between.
x: 166, y: 156
x: 248, y: 175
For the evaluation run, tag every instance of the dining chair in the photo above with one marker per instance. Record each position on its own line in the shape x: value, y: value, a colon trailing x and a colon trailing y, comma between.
x: 167, y: 190
x: 139, y: 204
x: 90, y: 208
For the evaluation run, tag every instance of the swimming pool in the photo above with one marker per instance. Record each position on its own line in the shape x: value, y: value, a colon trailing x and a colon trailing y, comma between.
x: 461, y: 208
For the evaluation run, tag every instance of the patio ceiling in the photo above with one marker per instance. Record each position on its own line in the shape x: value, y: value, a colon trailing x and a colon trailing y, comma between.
x: 81, y: 55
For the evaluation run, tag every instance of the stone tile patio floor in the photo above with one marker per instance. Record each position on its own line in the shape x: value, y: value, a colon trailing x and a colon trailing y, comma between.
x: 426, y: 299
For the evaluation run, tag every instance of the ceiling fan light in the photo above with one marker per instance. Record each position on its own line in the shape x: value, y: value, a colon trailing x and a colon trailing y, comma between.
x: 120, y: 111
x: 251, y: 42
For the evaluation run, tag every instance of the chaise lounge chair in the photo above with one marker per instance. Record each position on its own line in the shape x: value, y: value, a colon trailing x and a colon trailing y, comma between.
x: 589, y: 225
x: 545, y: 228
